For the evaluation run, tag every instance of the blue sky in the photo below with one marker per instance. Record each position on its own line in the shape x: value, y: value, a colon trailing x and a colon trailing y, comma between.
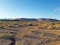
x: 30, y: 9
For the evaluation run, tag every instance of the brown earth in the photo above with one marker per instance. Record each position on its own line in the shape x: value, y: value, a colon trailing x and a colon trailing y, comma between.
x: 29, y: 33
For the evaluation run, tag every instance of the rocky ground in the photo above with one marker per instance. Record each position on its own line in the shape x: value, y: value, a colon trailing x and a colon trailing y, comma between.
x: 16, y: 34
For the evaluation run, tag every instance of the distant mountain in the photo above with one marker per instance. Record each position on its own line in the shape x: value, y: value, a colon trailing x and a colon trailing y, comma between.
x: 26, y: 19
x: 46, y: 19
x: 19, y: 19
x: 29, y: 19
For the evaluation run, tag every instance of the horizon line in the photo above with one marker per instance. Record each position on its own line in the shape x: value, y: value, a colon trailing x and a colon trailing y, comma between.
x: 30, y: 18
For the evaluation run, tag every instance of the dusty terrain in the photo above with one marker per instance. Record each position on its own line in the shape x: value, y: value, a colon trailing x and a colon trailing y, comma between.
x: 29, y: 33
